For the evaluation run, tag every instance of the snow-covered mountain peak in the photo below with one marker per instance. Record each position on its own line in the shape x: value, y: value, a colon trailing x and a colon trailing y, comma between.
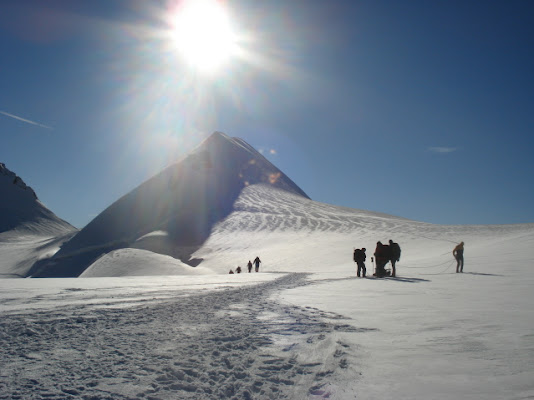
x: 225, y: 154
x: 184, y: 201
x: 218, y: 141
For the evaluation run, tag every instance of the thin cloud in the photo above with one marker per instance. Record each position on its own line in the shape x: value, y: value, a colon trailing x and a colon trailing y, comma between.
x: 26, y: 120
x: 442, y: 150
x: 272, y: 152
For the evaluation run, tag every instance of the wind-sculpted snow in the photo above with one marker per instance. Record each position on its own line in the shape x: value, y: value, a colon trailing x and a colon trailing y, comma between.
x: 260, y: 207
x: 224, y: 344
x: 263, y: 208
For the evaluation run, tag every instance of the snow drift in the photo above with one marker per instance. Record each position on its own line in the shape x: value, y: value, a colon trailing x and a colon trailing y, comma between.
x: 135, y: 262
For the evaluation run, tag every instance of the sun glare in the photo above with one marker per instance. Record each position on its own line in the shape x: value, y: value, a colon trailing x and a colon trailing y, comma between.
x: 203, y: 34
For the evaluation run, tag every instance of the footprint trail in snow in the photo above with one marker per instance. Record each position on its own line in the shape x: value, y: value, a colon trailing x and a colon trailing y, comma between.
x: 225, y: 344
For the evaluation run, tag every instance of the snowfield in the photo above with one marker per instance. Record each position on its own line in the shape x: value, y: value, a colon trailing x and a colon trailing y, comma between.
x: 305, y: 327
x: 198, y: 339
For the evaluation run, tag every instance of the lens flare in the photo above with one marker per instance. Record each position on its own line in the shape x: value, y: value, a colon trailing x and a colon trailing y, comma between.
x: 188, y: 67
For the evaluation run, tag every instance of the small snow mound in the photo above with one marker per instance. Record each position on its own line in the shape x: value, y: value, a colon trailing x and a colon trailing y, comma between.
x: 136, y: 262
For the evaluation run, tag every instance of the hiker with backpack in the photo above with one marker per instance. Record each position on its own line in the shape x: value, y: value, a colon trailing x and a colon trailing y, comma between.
x: 257, y: 262
x: 359, y: 257
x: 395, y: 253
x: 249, y: 266
x: 382, y: 257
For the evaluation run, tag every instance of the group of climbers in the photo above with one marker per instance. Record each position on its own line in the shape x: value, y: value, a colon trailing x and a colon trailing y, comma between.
x: 256, y: 263
x: 385, y: 253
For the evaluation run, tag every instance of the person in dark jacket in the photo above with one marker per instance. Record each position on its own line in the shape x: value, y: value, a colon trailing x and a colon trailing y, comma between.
x: 458, y: 253
x: 359, y: 258
x: 382, y: 257
x: 395, y: 251
x: 249, y: 266
x: 257, y: 262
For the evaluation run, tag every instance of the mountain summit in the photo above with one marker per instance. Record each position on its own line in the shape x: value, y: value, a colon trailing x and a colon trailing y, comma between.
x: 174, y: 212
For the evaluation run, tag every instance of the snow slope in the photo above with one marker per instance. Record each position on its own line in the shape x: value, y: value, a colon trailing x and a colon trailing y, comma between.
x: 279, y: 226
x: 430, y: 333
x: 28, y: 230
x: 439, y: 334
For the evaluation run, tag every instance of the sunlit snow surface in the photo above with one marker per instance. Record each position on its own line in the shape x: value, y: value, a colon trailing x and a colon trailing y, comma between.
x: 303, y: 328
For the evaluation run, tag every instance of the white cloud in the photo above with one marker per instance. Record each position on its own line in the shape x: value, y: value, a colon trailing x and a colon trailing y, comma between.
x: 442, y: 150
x: 25, y: 120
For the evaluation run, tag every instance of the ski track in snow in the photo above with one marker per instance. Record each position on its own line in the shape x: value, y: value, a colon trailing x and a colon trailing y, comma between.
x: 226, y: 344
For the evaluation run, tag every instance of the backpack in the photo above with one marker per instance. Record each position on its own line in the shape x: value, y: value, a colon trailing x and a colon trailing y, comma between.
x: 359, y: 255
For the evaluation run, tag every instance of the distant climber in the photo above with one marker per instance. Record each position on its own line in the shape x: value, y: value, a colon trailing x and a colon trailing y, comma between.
x: 238, y: 270
x: 458, y: 253
x: 249, y: 266
x: 231, y: 272
x: 257, y: 262
x: 395, y: 253
x: 359, y: 258
x: 382, y: 256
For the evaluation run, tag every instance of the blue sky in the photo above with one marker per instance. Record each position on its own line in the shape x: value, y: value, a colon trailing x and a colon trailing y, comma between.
x: 421, y: 109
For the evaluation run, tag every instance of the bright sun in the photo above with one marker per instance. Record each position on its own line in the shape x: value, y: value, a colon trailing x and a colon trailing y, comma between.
x: 204, y: 35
